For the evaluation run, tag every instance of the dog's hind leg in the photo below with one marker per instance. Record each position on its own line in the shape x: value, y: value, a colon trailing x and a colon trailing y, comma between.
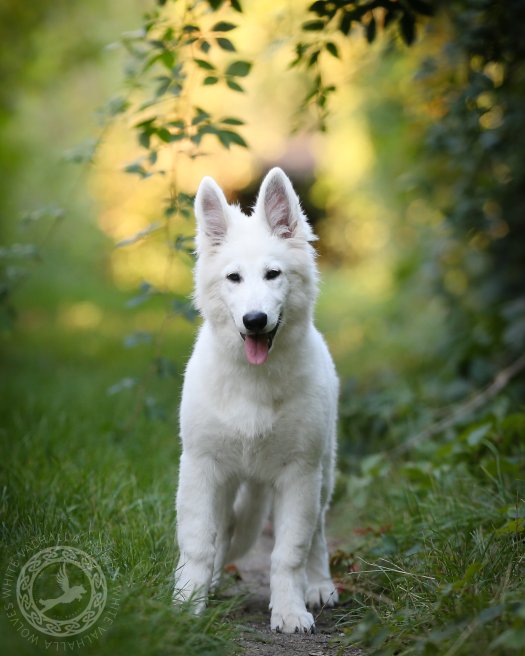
x: 251, y: 508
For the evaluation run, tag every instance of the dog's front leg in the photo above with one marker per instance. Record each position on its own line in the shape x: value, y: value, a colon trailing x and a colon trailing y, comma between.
x: 297, y: 500
x: 197, y: 499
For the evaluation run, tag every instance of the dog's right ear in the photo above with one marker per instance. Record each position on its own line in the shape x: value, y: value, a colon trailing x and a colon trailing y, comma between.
x: 211, y: 210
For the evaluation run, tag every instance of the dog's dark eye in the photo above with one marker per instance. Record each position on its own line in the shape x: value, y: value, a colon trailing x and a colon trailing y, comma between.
x: 272, y: 273
x: 234, y: 277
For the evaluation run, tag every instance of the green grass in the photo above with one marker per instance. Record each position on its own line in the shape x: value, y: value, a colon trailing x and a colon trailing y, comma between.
x: 435, y: 562
x: 432, y: 543
x: 96, y: 470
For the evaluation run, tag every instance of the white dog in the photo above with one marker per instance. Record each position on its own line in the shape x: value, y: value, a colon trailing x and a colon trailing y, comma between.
x: 259, y: 405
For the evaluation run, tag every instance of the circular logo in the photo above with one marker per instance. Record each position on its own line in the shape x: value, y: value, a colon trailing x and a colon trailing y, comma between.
x: 61, y: 591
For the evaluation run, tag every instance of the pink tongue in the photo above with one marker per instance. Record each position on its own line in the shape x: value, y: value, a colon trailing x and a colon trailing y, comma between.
x: 256, y: 348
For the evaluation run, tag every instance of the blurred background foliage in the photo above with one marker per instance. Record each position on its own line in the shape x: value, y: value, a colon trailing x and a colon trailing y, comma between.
x: 400, y: 124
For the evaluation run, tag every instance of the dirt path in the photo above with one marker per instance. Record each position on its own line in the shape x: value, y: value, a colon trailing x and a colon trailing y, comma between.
x: 254, y: 616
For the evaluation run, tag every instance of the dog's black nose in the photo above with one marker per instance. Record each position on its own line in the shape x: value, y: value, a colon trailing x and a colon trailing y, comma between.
x: 255, y: 320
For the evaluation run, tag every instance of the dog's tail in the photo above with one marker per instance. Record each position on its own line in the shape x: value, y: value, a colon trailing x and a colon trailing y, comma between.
x: 251, y: 509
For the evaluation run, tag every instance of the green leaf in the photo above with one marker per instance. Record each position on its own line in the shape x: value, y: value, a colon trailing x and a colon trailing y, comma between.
x: 185, y: 309
x: 313, y: 26
x: 390, y: 15
x: 116, y: 105
x: 346, y: 23
x: 200, y: 115
x: 184, y: 243
x: 138, y: 169
x: 236, y: 5
x: 168, y: 59
x: 228, y: 137
x: 318, y: 7
x: 407, y: 25
x: 144, y: 139
x: 371, y: 30
x: 232, y: 121
x: 332, y: 49
x: 422, y: 7
x: 164, y: 83
x: 225, y: 44
x: 313, y: 58
x: 164, y: 135
x: 223, y: 26
x: 211, y: 79
x: 234, y: 86
x: 206, y: 65
x: 205, y: 47
x: 239, y: 68
x: 82, y: 153
x: 146, y: 292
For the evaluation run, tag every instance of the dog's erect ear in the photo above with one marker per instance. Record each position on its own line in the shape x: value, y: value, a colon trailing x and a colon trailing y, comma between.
x: 211, y: 210
x: 280, y: 205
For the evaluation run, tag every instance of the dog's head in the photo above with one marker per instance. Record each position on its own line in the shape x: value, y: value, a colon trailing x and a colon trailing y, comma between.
x: 254, y: 273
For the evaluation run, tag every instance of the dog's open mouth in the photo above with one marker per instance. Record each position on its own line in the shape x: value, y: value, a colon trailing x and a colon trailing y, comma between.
x: 257, y: 345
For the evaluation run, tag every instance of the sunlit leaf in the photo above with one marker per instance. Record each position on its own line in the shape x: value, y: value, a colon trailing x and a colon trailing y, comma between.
x: 232, y: 121
x: 223, y: 26
x: 228, y: 137
x: 332, y: 49
x: 234, y: 85
x: 82, y: 153
x: 206, y: 65
x: 225, y: 44
x: 138, y: 169
x: 239, y: 68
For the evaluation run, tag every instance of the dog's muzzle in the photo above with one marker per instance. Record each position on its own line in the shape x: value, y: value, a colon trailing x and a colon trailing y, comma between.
x: 257, y: 344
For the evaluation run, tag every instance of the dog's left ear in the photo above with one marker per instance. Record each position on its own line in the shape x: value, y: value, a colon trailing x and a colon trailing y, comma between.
x: 280, y: 205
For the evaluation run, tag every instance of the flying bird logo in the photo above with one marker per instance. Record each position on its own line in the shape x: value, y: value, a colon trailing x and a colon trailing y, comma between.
x: 70, y: 593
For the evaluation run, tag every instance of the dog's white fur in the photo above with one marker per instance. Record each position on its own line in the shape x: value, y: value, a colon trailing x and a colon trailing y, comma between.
x: 257, y: 437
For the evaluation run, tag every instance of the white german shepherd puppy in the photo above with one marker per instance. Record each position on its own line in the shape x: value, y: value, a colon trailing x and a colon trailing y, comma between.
x: 259, y: 405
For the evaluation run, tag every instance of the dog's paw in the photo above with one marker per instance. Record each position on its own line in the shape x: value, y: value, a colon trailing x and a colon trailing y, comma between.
x: 194, y: 605
x: 322, y: 593
x: 189, y: 598
x: 300, y: 621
